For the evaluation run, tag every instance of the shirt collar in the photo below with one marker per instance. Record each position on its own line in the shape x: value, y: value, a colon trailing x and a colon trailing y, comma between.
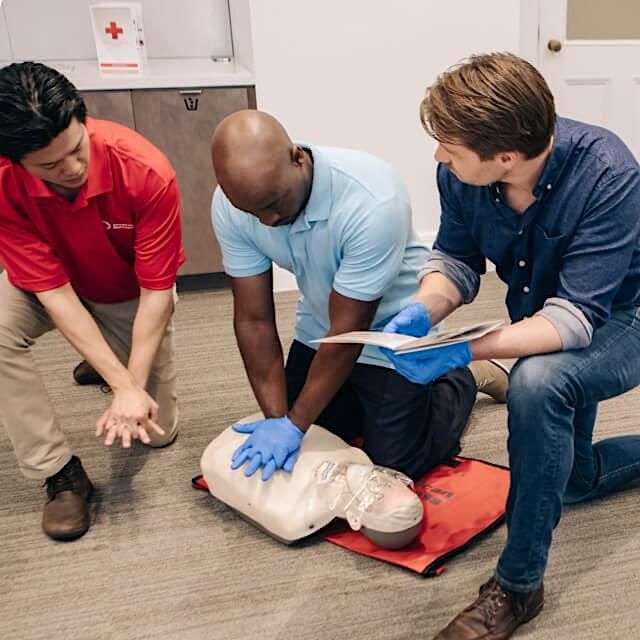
x: 319, y: 204
x: 560, y: 152
x: 100, y: 178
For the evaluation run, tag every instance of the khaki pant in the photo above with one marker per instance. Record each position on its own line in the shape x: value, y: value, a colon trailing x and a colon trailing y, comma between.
x: 25, y: 411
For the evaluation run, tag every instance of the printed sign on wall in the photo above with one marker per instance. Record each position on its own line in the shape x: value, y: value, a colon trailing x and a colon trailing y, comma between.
x: 119, y: 37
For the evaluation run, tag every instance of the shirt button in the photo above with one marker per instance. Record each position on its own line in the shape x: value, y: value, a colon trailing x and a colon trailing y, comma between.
x: 522, y: 263
x: 520, y: 232
x: 498, y: 200
x: 525, y: 289
x: 549, y: 186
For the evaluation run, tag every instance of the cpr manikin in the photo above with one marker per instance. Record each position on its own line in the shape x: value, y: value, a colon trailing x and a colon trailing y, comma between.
x: 330, y: 479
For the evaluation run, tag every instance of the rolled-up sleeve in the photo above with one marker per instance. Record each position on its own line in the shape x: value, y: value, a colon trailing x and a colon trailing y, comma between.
x: 463, y: 276
x: 597, y: 260
x: 568, y: 320
x: 455, y: 253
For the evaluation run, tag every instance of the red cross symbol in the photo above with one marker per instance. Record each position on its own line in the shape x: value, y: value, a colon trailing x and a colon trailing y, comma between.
x: 114, y: 30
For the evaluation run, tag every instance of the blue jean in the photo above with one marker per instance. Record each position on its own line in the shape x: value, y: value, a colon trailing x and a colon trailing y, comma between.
x: 552, y: 402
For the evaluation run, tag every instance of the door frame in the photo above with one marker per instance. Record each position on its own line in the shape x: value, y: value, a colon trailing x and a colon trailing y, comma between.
x: 530, y: 11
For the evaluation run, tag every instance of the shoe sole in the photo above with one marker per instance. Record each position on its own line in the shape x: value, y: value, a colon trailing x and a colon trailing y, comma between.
x: 165, y: 445
x: 68, y: 537
x: 501, y: 366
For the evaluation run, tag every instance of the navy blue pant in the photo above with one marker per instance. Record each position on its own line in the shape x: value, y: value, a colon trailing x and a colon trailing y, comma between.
x: 408, y: 427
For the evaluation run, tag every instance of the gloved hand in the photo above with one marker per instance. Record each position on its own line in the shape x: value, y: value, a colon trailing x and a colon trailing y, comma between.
x: 413, y: 320
x: 274, y: 443
x: 422, y: 367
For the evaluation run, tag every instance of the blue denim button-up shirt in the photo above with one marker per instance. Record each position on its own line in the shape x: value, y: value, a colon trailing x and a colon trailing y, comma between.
x: 573, y: 255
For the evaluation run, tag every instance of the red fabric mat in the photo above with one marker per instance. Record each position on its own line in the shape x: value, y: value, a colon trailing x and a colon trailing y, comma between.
x: 462, y: 502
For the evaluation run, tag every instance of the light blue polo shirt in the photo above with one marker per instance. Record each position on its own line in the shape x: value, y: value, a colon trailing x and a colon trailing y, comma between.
x: 355, y: 235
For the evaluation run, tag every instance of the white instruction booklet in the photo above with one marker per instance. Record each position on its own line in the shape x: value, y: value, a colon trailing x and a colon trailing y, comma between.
x: 401, y: 343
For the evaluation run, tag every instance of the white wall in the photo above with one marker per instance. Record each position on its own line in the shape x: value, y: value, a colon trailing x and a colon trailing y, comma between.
x: 352, y: 74
x: 5, y: 46
x: 61, y: 29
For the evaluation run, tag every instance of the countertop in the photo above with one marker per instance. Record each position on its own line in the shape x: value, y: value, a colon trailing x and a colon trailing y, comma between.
x: 158, y: 73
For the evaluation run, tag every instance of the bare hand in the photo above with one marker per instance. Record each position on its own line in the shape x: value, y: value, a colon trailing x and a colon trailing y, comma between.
x: 132, y: 416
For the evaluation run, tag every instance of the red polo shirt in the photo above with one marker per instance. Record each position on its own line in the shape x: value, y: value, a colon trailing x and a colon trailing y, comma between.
x: 121, y: 232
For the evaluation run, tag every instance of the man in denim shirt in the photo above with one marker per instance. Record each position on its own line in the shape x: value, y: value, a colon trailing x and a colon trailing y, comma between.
x: 555, y: 205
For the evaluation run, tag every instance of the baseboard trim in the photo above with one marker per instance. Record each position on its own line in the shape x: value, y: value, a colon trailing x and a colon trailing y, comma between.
x: 200, y: 281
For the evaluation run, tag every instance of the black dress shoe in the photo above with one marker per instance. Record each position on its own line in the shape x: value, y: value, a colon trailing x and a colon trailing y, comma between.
x: 495, y: 614
x: 84, y: 373
x: 66, y: 513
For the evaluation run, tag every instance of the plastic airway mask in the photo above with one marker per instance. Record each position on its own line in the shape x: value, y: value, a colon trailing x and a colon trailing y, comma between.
x: 370, y: 496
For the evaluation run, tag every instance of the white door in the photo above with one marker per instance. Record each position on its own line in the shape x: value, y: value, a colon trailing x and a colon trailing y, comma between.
x: 589, y: 52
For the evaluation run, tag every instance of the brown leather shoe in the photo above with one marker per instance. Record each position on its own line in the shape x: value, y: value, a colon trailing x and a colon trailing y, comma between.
x: 495, y: 615
x: 492, y: 378
x: 66, y: 513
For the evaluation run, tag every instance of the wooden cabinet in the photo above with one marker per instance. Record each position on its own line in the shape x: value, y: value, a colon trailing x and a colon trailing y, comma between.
x: 110, y: 105
x: 180, y: 123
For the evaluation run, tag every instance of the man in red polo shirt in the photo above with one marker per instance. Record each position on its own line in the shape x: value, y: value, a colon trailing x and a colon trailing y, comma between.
x: 90, y: 243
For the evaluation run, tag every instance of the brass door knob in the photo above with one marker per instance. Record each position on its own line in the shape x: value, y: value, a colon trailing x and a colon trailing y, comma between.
x: 554, y: 45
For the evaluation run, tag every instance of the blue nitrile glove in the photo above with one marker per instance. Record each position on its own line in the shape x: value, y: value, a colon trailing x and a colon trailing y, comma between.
x: 413, y: 320
x: 274, y: 443
x: 422, y: 367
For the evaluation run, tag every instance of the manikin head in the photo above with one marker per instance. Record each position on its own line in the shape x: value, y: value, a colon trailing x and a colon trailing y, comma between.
x: 259, y: 169
x: 42, y: 128
x: 489, y: 115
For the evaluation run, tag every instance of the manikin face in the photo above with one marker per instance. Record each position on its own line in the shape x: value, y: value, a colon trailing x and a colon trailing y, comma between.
x: 65, y: 161
x: 469, y: 168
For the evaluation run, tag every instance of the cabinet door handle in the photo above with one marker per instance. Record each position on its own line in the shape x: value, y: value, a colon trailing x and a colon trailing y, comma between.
x: 190, y: 92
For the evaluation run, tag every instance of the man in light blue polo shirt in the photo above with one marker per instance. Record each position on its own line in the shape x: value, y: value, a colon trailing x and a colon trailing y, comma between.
x: 340, y: 220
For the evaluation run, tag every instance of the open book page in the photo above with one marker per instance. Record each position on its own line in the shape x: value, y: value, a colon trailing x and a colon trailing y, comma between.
x: 450, y: 336
x: 407, y: 344
x: 376, y: 338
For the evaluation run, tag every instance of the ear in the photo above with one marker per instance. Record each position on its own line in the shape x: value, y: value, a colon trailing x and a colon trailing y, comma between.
x: 297, y: 155
x: 507, y: 159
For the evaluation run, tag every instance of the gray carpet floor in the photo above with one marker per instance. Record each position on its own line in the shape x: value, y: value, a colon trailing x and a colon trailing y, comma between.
x: 163, y: 561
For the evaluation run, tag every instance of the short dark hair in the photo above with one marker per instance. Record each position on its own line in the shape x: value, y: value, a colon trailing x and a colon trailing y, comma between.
x: 491, y: 103
x: 37, y: 103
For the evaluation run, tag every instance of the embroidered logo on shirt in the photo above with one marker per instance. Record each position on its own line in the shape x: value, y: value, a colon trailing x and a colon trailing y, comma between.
x: 116, y: 225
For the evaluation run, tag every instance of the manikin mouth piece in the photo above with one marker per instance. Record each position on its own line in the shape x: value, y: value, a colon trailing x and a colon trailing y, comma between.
x: 376, y: 500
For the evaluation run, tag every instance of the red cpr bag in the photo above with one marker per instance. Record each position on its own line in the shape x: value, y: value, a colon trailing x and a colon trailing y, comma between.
x: 463, y: 501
